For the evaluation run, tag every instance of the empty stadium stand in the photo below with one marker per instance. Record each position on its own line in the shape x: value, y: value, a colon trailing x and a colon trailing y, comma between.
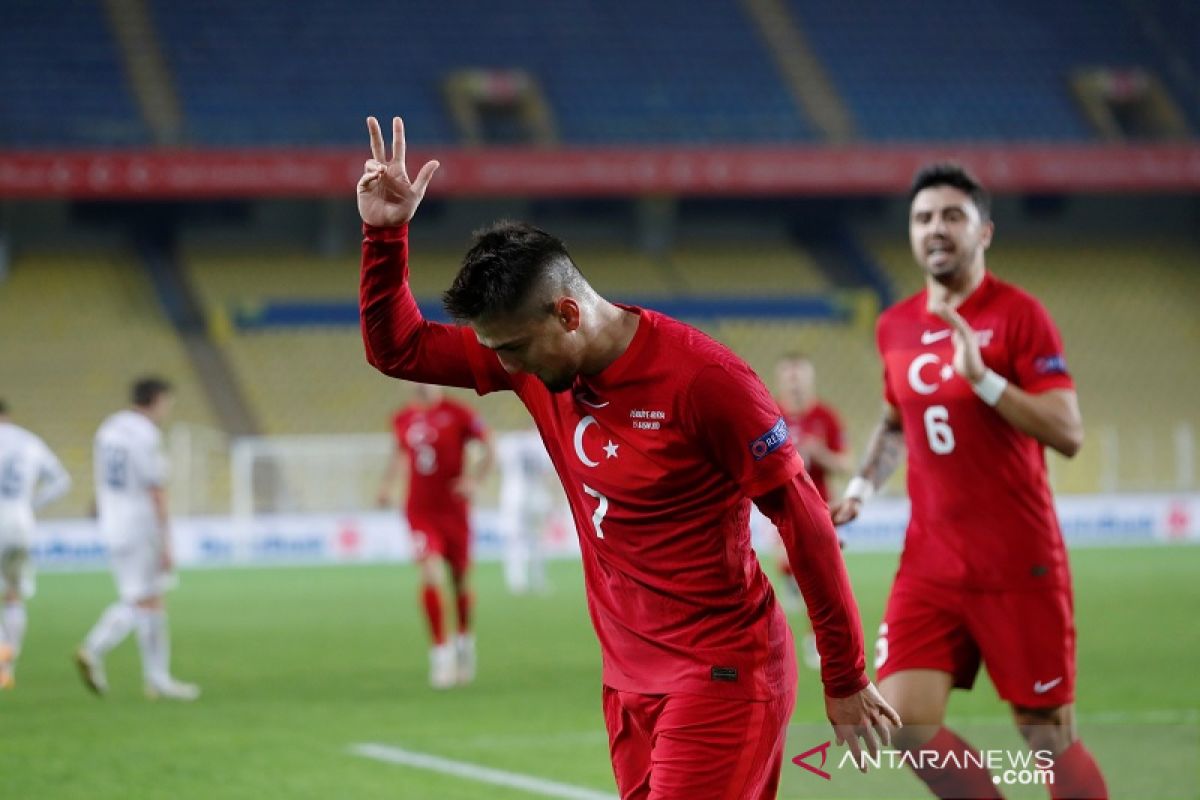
x: 78, y: 328
x: 982, y: 70
x: 60, y: 79
x: 253, y: 73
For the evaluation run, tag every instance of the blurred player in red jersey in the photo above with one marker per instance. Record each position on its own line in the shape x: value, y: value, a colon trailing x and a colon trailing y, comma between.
x: 976, y: 386
x: 661, y: 438
x: 817, y: 434
x: 432, y: 434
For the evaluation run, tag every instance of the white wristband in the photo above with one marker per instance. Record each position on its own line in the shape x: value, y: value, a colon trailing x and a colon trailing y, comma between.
x: 859, y: 489
x: 990, y: 387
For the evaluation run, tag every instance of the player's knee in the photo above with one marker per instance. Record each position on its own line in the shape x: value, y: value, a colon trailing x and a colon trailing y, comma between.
x: 922, y: 708
x: 1051, y: 729
x: 432, y: 572
x: 150, y: 603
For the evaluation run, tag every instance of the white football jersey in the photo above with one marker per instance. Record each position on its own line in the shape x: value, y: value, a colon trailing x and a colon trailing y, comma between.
x: 30, y: 477
x: 128, y: 462
x: 524, y: 467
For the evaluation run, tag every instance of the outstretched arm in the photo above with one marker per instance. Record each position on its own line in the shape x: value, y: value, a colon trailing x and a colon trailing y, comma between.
x: 853, y: 705
x: 396, y: 467
x: 53, y: 483
x: 400, y: 342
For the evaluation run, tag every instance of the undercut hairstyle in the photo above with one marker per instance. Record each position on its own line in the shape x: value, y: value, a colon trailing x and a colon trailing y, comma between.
x: 147, y: 390
x: 511, y: 268
x: 949, y: 173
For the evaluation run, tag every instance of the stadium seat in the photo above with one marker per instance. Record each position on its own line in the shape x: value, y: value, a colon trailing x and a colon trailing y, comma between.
x: 78, y: 329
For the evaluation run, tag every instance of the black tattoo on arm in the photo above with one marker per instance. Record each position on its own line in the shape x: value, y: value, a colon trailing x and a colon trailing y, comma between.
x: 885, y: 450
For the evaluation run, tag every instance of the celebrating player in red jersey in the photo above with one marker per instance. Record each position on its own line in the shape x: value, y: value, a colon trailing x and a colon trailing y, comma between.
x: 661, y: 438
x: 432, y: 434
x: 816, y: 429
x: 818, y: 436
x: 976, y: 385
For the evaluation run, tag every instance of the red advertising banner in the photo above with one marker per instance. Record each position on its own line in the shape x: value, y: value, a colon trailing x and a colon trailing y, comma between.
x: 598, y: 172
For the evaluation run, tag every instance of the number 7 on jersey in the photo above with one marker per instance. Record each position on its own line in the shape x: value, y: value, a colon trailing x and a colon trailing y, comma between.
x: 601, y: 509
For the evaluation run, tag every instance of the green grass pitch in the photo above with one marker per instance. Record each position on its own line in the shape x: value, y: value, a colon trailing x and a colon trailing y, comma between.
x: 297, y: 664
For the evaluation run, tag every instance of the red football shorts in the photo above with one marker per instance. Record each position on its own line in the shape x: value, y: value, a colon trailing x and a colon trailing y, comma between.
x: 445, y: 534
x: 1026, y: 639
x: 666, y: 747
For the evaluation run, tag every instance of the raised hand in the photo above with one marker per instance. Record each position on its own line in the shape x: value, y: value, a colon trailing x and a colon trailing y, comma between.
x: 865, y: 714
x: 968, y: 361
x: 386, y: 196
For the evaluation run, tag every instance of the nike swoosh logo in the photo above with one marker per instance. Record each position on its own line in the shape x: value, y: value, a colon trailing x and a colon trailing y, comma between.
x: 929, y: 337
x: 1042, y: 688
x: 593, y: 405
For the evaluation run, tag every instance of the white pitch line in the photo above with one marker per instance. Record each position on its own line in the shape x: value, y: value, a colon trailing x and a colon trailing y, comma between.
x: 474, y: 772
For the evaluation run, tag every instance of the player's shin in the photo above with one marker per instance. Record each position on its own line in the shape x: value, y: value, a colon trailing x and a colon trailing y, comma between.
x: 431, y: 601
x: 1077, y: 775
x: 14, y: 626
x: 154, y: 645
x: 943, y: 765
x: 110, y: 630
x: 464, y: 601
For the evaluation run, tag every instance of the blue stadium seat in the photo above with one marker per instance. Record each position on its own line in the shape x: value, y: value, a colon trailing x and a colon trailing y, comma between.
x: 308, y: 72
x: 61, y: 80
x: 974, y: 70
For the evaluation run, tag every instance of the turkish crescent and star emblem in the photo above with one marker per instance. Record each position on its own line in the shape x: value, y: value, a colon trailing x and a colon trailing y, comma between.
x: 610, y: 449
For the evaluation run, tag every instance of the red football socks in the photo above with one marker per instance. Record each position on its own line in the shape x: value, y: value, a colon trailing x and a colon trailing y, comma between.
x: 464, y: 612
x: 971, y: 781
x: 432, y: 600
x: 1077, y: 776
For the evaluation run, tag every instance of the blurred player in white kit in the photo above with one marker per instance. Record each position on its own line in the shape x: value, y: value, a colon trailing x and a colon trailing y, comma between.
x: 131, y: 499
x: 30, y: 477
x: 526, y: 503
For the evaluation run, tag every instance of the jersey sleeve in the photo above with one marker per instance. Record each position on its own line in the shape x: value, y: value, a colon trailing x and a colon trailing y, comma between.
x: 1036, y: 350
x: 740, y: 427
x: 53, y: 479
x: 398, y: 340
x: 151, y: 464
x: 835, y: 432
x: 802, y: 519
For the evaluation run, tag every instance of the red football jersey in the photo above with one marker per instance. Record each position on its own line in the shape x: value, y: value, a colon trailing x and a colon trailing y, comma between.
x: 435, y: 440
x: 658, y: 454
x: 821, y: 423
x: 982, y: 512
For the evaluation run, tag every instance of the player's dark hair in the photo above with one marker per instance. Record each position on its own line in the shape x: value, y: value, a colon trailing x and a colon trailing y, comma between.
x: 793, y: 356
x: 3, y: 407
x: 949, y: 173
x: 147, y: 390
x: 506, y: 263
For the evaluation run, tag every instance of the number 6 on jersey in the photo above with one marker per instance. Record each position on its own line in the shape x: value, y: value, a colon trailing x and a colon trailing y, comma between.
x: 938, y: 431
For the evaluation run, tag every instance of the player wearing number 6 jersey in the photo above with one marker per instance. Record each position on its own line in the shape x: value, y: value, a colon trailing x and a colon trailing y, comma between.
x: 976, y: 386
x: 661, y: 438
x: 432, y: 434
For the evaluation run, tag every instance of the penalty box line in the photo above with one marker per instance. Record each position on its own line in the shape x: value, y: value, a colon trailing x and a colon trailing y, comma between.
x: 475, y: 772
